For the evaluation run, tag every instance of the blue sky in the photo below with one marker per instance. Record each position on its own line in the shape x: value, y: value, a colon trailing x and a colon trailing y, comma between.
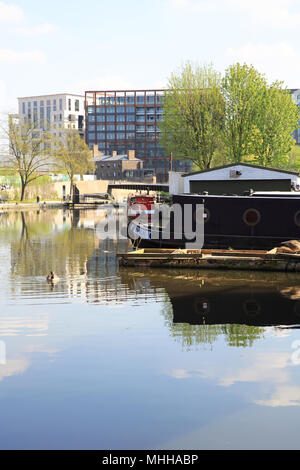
x: 73, y: 46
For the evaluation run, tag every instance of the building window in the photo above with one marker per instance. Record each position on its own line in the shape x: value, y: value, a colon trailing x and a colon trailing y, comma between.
x: 120, y: 99
x: 120, y: 117
x: 100, y: 135
x: 110, y: 100
x: 120, y: 127
x: 91, y: 135
x: 140, y: 99
x: 110, y: 118
x: 100, y: 117
x: 60, y: 104
x: 150, y: 99
x: 69, y: 104
x: 76, y: 105
x: 23, y: 108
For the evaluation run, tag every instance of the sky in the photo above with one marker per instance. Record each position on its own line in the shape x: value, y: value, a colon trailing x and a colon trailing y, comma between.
x: 72, y: 46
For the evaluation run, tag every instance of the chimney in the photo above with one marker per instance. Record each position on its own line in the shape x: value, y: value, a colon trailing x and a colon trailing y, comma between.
x: 131, y: 154
x: 96, y: 152
x: 114, y: 153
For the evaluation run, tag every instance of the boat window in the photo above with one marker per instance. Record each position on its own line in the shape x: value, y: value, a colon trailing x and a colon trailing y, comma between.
x: 297, y: 218
x: 251, y: 217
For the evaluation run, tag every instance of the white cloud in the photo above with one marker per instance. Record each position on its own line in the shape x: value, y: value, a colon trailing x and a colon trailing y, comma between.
x: 39, y: 30
x: 283, y: 396
x: 278, y: 61
x: 14, y: 15
x: 10, y: 57
x: 277, y: 13
x: 11, y: 14
x: 13, y: 367
x: 269, y: 367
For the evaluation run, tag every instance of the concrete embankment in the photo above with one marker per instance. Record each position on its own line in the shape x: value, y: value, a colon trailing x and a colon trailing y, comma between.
x: 21, y: 206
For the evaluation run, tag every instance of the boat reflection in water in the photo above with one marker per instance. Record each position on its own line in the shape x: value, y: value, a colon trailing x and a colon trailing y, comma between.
x: 238, y: 305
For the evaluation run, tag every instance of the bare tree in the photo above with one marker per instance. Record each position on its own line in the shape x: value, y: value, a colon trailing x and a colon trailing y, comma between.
x: 27, y: 149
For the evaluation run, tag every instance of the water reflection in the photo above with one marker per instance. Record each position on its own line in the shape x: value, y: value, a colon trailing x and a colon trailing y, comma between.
x: 141, y: 358
x: 201, y: 305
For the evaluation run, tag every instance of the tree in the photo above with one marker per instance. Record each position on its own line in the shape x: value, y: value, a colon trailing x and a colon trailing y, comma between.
x: 272, y: 137
x: 243, y: 89
x: 72, y: 155
x: 193, y: 114
x: 259, y: 118
x: 27, y: 150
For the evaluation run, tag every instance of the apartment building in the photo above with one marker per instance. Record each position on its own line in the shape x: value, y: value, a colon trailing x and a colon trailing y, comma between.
x: 129, y: 120
x: 60, y: 111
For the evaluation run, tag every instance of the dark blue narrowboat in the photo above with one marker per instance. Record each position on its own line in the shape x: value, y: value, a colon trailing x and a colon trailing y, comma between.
x: 254, y: 221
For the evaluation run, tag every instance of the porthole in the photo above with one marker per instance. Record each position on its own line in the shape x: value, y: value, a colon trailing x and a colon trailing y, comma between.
x: 251, y: 217
x: 251, y: 307
x: 201, y: 306
x: 297, y: 218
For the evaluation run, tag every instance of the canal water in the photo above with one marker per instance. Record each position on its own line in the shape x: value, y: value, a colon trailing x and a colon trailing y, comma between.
x: 115, y: 358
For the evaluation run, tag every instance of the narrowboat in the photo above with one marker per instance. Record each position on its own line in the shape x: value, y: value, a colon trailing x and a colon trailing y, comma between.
x: 254, y: 222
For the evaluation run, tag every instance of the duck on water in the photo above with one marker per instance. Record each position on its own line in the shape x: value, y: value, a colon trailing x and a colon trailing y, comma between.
x: 52, y: 277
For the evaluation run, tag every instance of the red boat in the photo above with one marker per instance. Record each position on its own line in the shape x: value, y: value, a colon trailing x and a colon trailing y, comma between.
x: 141, y: 204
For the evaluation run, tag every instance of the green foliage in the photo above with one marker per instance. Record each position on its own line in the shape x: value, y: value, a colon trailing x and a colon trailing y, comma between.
x: 193, y: 114
x: 293, y: 162
x: 214, y: 121
x: 243, y: 88
x: 72, y: 155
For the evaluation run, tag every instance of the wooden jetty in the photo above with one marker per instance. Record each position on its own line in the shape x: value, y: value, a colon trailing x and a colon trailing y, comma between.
x: 258, y: 260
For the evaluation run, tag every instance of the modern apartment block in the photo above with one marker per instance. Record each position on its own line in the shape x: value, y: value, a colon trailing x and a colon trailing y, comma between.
x: 61, y: 111
x: 128, y: 120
